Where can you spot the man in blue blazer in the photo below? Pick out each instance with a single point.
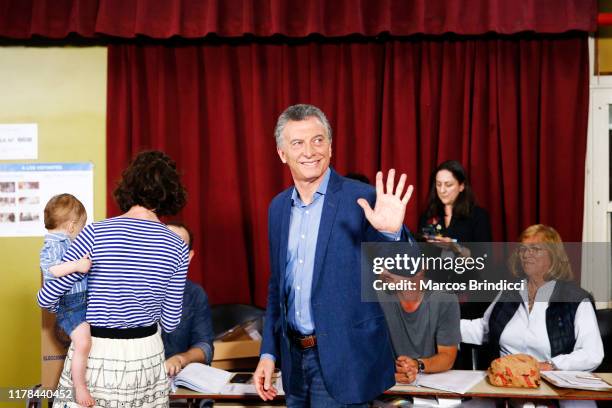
(334, 349)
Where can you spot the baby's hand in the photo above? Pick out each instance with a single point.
(83, 264)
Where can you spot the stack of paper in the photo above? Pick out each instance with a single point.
(576, 379)
(202, 378)
(457, 381)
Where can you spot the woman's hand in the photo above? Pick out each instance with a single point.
(450, 244)
(545, 366)
(439, 239)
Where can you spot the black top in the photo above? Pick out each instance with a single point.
(475, 228)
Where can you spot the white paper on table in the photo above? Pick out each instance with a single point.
(449, 402)
(279, 384)
(457, 381)
(436, 402)
(576, 379)
(202, 378)
(424, 402)
(249, 388)
(238, 389)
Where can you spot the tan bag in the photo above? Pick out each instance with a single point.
(515, 370)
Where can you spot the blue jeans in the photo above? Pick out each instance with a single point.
(307, 385)
(71, 311)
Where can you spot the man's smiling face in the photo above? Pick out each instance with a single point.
(306, 149)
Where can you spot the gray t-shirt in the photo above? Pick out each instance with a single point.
(417, 334)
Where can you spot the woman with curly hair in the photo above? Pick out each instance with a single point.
(135, 283)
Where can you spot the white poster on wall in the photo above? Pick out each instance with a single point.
(19, 141)
(26, 188)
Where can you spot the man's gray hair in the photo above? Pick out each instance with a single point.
(297, 113)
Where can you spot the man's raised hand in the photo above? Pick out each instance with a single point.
(390, 207)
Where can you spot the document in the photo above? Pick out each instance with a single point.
(202, 378)
(209, 380)
(581, 380)
(436, 402)
(457, 381)
(248, 388)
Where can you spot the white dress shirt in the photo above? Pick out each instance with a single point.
(526, 333)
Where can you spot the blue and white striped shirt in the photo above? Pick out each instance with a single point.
(137, 276)
(53, 250)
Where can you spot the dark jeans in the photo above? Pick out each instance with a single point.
(307, 386)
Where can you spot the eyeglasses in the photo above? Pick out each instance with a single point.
(532, 250)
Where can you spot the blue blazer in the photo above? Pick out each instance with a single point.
(353, 341)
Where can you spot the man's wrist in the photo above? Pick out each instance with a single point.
(392, 236)
(420, 365)
(206, 350)
(268, 357)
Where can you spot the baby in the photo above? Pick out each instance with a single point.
(65, 217)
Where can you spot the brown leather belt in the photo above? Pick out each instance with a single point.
(304, 342)
(307, 342)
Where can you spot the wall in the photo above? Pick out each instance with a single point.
(64, 91)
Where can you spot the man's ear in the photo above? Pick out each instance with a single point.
(191, 254)
(281, 154)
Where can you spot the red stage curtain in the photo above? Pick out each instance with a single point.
(235, 18)
(514, 111)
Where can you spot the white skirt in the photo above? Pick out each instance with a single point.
(121, 373)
